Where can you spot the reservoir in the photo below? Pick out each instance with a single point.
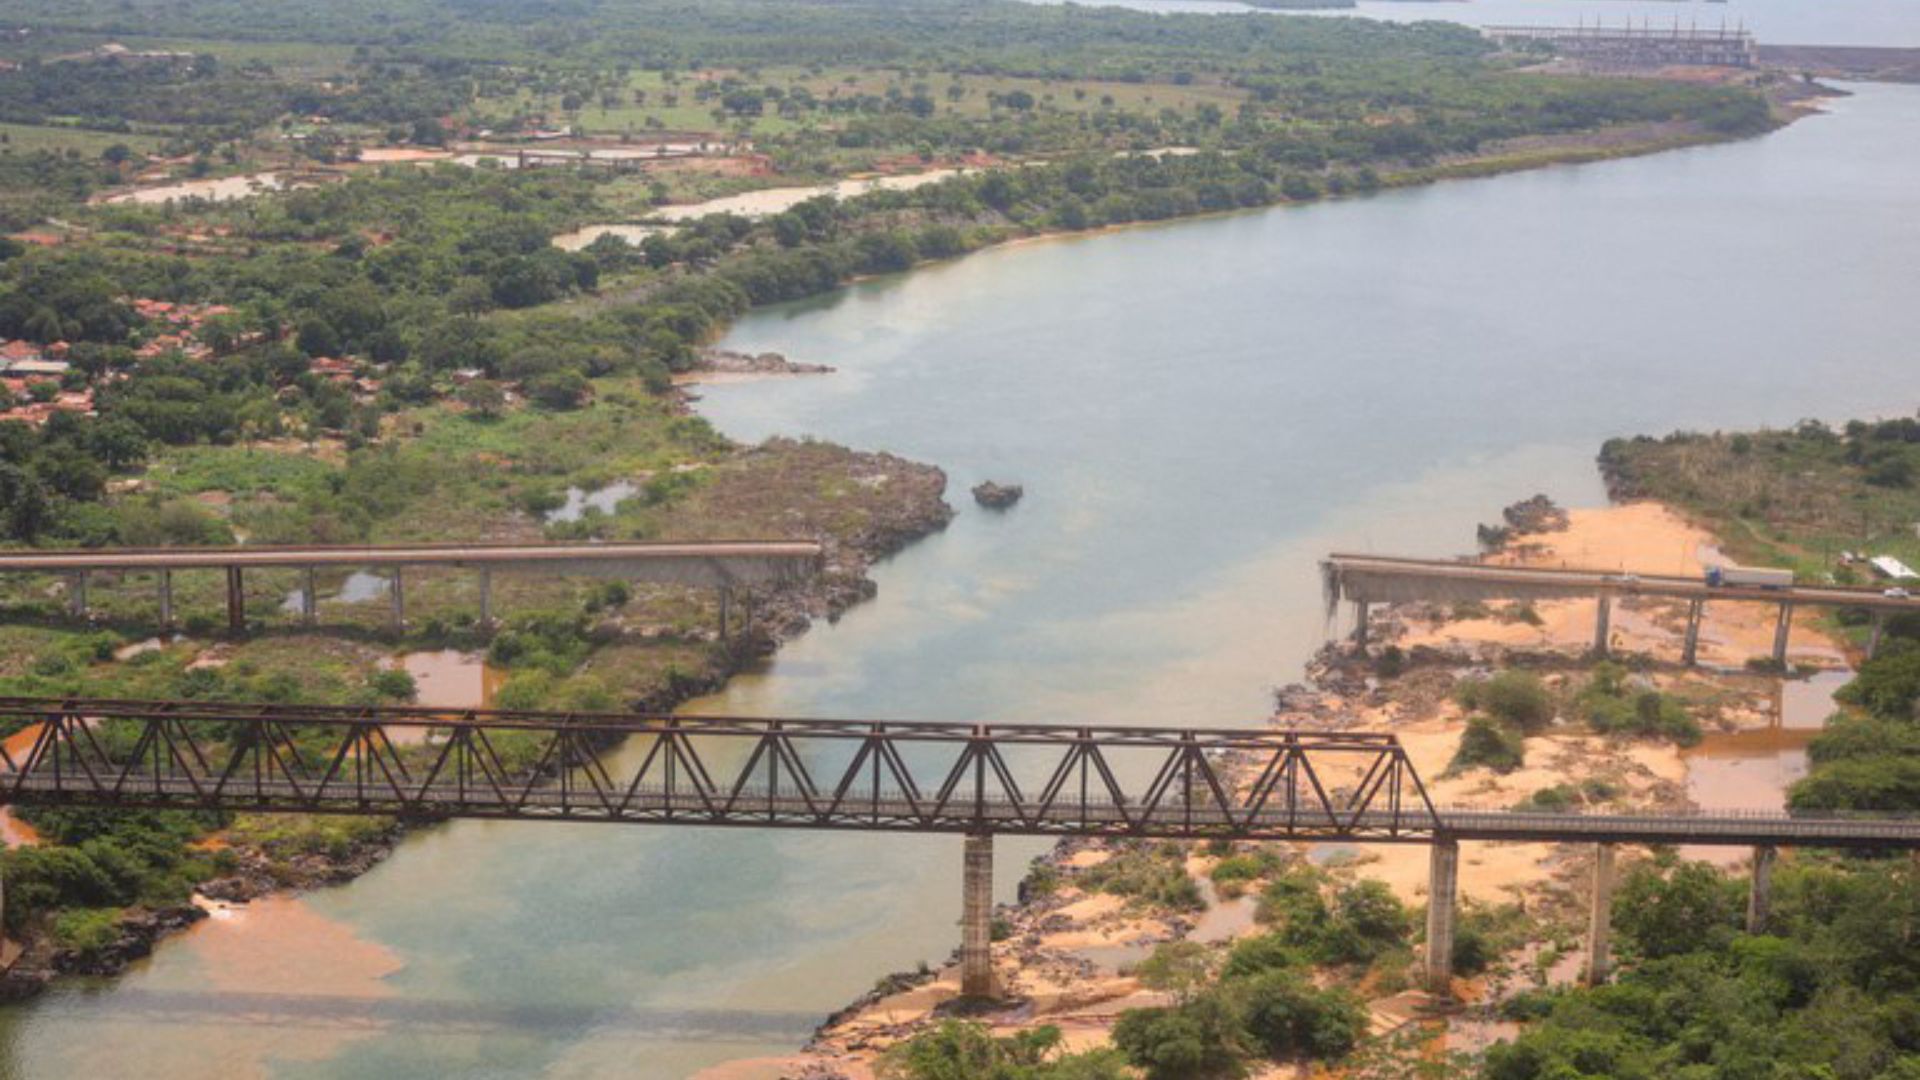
(1198, 411)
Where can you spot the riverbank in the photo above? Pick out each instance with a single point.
(1067, 953)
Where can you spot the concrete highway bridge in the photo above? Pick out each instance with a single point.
(725, 565)
(1365, 580)
(973, 780)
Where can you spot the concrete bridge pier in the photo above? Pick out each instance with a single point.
(166, 600)
(1361, 611)
(726, 603)
(1760, 890)
(1781, 629)
(1690, 648)
(976, 917)
(236, 601)
(398, 592)
(1443, 886)
(1600, 918)
(77, 595)
(310, 597)
(486, 598)
(1879, 630)
(1602, 624)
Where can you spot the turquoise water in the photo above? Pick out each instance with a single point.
(1198, 411)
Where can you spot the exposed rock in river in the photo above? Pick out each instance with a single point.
(728, 362)
(997, 496)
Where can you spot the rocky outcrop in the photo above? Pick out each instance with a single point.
(997, 496)
(137, 932)
(728, 362)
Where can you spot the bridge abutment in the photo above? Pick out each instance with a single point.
(976, 917)
(1760, 889)
(1443, 887)
(1600, 917)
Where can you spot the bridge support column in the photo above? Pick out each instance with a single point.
(1361, 610)
(746, 613)
(1602, 624)
(398, 591)
(77, 595)
(310, 597)
(166, 600)
(1690, 649)
(236, 600)
(1873, 637)
(1760, 890)
(976, 917)
(726, 602)
(1443, 882)
(486, 597)
(1781, 629)
(1600, 918)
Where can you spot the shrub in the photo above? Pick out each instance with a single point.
(396, 684)
(1368, 921)
(1486, 744)
(1610, 705)
(1557, 799)
(1193, 1042)
(1256, 955)
(1042, 880)
(87, 931)
(1690, 907)
(1231, 874)
(1150, 873)
(1514, 698)
(1290, 1017)
(961, 1050)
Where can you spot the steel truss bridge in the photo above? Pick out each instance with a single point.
(1015, 779)
(971, 779)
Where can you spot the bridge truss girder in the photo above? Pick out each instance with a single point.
(821, 774)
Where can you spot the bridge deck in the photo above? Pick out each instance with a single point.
(739, 560)
(1032, 779)
(1386, 579)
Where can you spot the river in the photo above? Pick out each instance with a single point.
(1197, 411)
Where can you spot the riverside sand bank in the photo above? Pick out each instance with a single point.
(1066, 952)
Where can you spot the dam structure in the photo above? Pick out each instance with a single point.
(1636, 47)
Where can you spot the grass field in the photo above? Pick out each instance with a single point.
(30, 138)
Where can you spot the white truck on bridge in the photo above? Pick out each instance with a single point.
(1761, 577)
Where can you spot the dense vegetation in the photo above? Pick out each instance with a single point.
(1831, 990)
(1800, 497)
